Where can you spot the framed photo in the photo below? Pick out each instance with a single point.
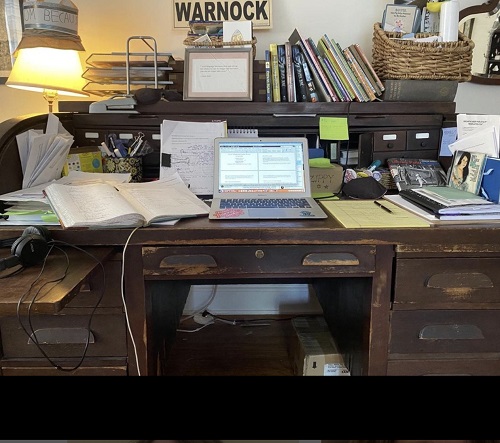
(218, 74)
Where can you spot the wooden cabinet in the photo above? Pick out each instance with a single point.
(92, 316)
(445, 315)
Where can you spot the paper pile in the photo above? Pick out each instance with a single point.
(43, 155)
(477, 133)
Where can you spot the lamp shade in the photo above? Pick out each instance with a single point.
(40, 69)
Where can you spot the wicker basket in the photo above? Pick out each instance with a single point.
(216, 42)
(403, 59)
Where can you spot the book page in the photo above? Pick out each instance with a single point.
(163, 199)
(91, 205)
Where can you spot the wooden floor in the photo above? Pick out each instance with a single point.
(222, 349)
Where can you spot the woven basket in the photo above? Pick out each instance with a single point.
(216, 42)
(403, 59)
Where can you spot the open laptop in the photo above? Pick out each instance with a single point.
(262, 178)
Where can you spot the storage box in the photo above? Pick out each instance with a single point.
(326, 181)
(313, 350)
(86, 159)
(396, 58)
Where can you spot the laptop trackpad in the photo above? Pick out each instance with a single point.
(267, 213)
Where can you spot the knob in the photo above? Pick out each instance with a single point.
(259, 253)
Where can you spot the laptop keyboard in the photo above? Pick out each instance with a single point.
(248, 203)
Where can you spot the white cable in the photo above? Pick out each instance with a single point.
(207, 304)
(122, 286)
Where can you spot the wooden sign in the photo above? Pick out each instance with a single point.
(258, 11)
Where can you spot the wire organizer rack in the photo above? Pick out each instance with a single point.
(118, 73)
(397, 58)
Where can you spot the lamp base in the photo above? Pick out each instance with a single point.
(51, 96)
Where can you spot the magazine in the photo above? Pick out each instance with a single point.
(409, 173)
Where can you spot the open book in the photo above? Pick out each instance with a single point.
(102, 205)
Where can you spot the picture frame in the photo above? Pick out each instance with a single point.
(218, 74)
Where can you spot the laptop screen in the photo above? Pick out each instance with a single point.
(261, 165)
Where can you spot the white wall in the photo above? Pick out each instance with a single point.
(104, 26)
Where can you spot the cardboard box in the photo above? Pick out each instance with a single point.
(86, 159)
(313, 350)
(326, 181)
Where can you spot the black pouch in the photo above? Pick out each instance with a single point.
(364, 188)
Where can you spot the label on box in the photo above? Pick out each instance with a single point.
(331, 369)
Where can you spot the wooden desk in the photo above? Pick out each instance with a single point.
(379, 289)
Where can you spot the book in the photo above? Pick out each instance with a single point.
(466, 171)
(374, 84)
(313, 64)
(301, 87)
(434, 219)
(103, 205)
(414, 172)
(282, 72)
(438, 198)
(267, 68)
(290, 73)
(335, 80)
(360, 75)
(317, 58)
(334, 53)
(400, 18)
(275, 72)
(406, 90)
(312, 95)
(369, 66)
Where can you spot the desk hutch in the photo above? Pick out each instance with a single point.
(398, 301)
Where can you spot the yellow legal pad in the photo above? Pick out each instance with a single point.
(367, 214)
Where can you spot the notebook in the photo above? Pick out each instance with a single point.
(262, 178)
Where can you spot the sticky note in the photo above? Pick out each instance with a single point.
(333, 128)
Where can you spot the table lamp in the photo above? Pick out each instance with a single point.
(50, 71)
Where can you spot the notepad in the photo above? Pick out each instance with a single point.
(366, 214)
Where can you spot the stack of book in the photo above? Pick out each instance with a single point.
(303, 70)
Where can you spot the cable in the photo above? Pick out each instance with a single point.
(122, 288)
(31, 333)
(204, 308)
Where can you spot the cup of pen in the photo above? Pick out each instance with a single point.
(133, 165)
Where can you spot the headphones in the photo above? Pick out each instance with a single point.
(29, 249)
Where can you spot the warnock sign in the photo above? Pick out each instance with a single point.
(258, 11)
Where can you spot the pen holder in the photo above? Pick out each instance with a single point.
(133, 165)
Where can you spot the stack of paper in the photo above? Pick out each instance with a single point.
(478, 133)
(43, 155)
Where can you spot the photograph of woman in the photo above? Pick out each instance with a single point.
(460, 171)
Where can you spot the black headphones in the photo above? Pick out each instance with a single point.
(29, 249)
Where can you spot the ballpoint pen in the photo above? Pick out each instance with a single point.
(385, 208)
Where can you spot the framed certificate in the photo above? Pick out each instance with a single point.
(218, 74)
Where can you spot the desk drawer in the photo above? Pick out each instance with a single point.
(66, 336)
(257, 260)
(445, 332)
(451, 366)
(447, 283)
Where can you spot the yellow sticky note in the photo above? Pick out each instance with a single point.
(333, 128)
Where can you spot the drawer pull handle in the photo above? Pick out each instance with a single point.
(450, 332)
(330, 259)
(178, 261)
(62, 336)
(471, 280)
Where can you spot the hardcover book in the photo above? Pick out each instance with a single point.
(466, 171)
(282, 72)
(100, 205)
(373, 82)
(369, 66)
(300, 81)
(314, 67)
(400, 18)
(312, 94)
(290, 73)
(275, 72)
(360, 75)
(269, 89)
(405, 90)
(409, 173)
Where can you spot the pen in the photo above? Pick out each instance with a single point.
(385, 208)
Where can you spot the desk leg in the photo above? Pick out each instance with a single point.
(167, 300)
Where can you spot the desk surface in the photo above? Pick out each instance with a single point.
(51, 295)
